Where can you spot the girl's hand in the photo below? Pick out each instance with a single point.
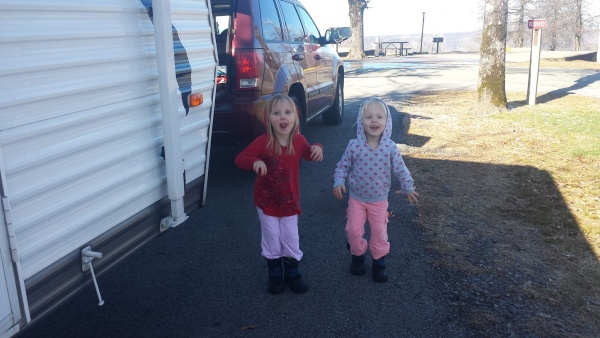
(412, 197)
(316, 153)
(260, 168)
(339, 191)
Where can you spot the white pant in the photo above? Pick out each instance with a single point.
(279, 236)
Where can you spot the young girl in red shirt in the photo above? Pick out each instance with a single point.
(275, 158)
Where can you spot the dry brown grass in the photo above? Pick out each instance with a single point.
(511, 202)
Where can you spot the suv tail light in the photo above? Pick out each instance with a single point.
(249, 68)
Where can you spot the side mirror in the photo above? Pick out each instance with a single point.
(336, 35)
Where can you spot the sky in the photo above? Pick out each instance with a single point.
(401, 17)
(405, 17)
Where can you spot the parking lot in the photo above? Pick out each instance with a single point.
(406, 76)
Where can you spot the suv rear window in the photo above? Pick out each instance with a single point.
(271, 25)
(294, 25)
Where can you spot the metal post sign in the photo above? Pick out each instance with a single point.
(536, 26)
(437, 41)
(536, 23)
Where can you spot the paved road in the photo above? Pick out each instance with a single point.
(395, 77)
(206, 278)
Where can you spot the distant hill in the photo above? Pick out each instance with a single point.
(456, 42)
(453, 42)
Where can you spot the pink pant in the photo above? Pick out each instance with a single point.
(279, 236)
(376, 213)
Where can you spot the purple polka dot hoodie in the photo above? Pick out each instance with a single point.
(369, 172)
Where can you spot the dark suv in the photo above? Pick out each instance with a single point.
(267, 47)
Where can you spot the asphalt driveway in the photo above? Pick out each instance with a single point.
(206, 278)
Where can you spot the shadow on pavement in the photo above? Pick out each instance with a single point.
(558, 93)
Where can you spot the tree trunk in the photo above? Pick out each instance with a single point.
(357, 41)
(521, 24)
(578, 24)
(598, 46)
(492, 63)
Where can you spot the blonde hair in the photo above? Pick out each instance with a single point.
(272, 144)
(368, 103)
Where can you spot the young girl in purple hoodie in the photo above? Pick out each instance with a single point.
(368, 164)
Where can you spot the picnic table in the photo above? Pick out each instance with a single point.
(396, 46)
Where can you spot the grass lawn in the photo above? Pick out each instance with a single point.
(510, 200)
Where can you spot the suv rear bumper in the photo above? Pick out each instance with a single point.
(238, 119)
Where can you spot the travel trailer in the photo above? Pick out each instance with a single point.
(105, 125)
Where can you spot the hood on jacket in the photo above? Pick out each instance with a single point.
(360, 131)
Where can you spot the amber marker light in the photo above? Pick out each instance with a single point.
(195, 99)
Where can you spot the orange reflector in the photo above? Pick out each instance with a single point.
(195, 99)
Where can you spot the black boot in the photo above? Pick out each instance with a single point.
(358, 265)
(276, 284)
(379, 274)
(293, 278)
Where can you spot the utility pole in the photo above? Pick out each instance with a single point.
(422, 28)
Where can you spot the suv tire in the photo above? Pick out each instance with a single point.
(335, 114)
(301, 114)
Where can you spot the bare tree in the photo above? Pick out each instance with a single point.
(569, 22)
(518, 14)
(357, 41)
(561, 27)
(587, 21)
(578, 24)
(492, 62)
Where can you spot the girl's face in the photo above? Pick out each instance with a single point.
(374, 118)
(282, 118)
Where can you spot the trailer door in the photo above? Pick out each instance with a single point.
(7, 319)
(9, 303)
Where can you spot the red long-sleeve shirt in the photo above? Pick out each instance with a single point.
(278, 192)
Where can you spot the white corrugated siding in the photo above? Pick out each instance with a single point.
(80, 122)
(199, 46)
